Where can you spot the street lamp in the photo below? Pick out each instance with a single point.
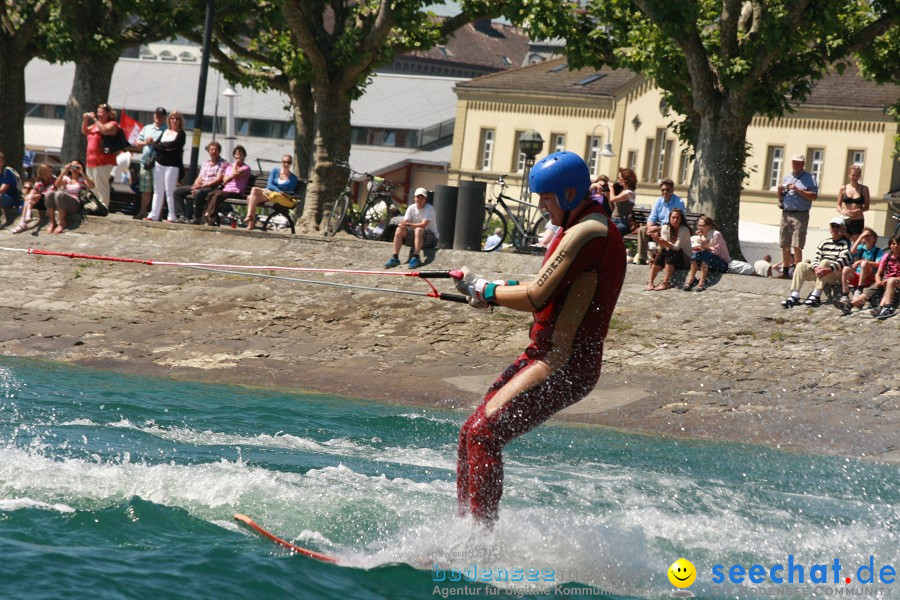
(607, 147)
(530, 144)
(230, 134)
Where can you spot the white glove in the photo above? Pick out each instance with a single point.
(475, 287)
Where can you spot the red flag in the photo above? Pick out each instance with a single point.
(131, 127)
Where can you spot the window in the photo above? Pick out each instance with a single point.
(658, 157)
(774, 167)
(559, 141)
(815, 157)
(632, 160)
(486, 151)
(856, 157)
(648, 158)
(684, 168)
(593, 153)
(591, 79)
(518, 165)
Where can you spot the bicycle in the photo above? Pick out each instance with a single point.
(526, 233)
(371, 221)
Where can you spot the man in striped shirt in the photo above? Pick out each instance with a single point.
(832, 256)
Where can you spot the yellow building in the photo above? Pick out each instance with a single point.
(842, 123)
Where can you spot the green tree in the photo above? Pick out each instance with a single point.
(94, 33)
(257, 51)
(21, 24)
(344, 42)
(719, 63)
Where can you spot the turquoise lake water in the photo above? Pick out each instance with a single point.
(115, 486)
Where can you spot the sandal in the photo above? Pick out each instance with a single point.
(650, 287)
(690, 285)
(19, 229)
(701, 288)
(662, 286)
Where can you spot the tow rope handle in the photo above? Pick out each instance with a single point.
(454, 274)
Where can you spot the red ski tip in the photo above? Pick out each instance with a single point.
(456, 274)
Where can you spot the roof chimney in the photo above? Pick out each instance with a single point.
(483, 25)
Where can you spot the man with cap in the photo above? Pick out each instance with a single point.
(832, 256)
(571, 298)
(149, 134)
(796, 193)
(417, 229)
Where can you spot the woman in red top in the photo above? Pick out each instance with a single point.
(99, 164)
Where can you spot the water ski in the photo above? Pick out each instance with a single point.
(297, 549)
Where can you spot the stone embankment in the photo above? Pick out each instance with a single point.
(728, 363)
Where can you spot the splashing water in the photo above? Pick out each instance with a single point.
(126, 486)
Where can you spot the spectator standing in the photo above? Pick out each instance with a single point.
(865, 256)
(659, 216)
(234, 186)
(623, 201)
(99, 164)
(210, 177)
(281, 183)
(832, 256)
(169, 151)
(710, 255)
(796, 194)
(65, 200)
(417, 229)
(674, 242)
(9, 191)
(148, 135)
(853, 202)
(34, 193)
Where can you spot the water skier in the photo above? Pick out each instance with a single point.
(572, 299)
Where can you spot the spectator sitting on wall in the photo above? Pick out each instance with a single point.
(417, 229)
(832, 255)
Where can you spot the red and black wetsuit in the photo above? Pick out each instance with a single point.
(572, 298)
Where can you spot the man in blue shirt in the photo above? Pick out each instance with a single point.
(658, 217)
(795, 197)
(149, 134)
(9, 191)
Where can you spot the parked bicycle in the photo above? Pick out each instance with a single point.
(528, 221)
(370, 221)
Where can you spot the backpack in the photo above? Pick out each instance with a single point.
(18, 180)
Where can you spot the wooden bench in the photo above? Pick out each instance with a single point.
(639, 215)
(275, 209)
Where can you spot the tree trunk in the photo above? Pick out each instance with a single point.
(90, 88)
(304, 109)
(332, 143)
(12, 89)
(718, 175)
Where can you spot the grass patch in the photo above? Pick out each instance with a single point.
(619, 325)
(777, 336)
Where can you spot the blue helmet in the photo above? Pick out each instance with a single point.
(558, 172)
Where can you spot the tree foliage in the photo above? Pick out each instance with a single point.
(21, 24)
(344, 42)
(719, 63)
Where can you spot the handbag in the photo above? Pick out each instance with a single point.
(150, 163)
(112, 144)
(90, 203)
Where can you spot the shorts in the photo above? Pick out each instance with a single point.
(672, 257)
(63, 201)
(279, 198)
(715, 262)
(430, 238)
(8, 201)
(855, 227)
(145, 181)
(793, 229)
(854, 279)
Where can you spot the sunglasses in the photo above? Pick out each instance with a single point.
(287, 161)
(670, 190)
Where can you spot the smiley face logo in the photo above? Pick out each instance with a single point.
(682, 573)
